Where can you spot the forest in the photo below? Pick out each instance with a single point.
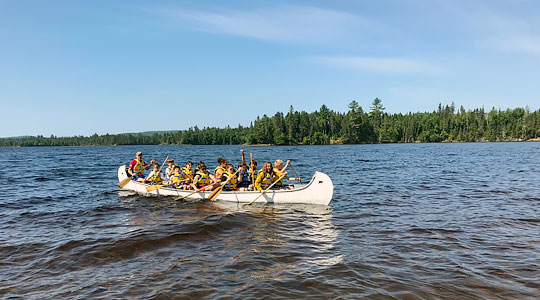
(325, 126)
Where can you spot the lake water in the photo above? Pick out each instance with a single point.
(407, 221)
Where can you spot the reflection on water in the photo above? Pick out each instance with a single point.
(423, 221)
(281, 228)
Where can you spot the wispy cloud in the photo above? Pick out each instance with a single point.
(507, 27)
(509, 34)
(517, 43)
(376, 64)
(282, 23)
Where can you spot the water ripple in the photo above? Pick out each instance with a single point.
(415, 221)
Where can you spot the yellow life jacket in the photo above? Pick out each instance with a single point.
(266, 181)
(231, 185)
(139, 167)
(253, 172)
(176, 178)
(205, 178)
(278, 174)
(188, 173)
(219, 171)
(156, 178)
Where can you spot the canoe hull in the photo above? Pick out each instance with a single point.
(318, 191)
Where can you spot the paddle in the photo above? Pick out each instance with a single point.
(151, 187)
(183, 197)
(154, 187)
(281, 177)
(252, 171)
(125, 181)
(158, 186)
(243, 157)
(213, 196)
(296, 174)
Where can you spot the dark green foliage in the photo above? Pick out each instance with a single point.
(326, 126)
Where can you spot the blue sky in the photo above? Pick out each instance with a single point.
(83, 67)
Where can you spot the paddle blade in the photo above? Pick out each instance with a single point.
(215, 193)
(154, 187)
(124, 182)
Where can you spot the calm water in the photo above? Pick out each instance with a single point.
(417, 221)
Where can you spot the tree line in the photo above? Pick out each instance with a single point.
(325, 126)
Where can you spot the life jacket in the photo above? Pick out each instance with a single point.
(167, 172)
(231, 185)
(176, 177)
(279, 173)
(246, 177)
(266, 180)
(156, 178)
(219, 171)
(254, 173)
(138, 169)
(188, 173)
(205, 178)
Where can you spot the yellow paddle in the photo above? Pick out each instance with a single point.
(213, 196)
(154, 187)
(273, 183)
(124, 182)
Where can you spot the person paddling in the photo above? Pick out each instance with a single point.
(155, 176)
(203, 178)
(221, 168)
(278, 166)
(188, 171)
(137, 167)
(169, 171)
(252, 171)
(187, 176)
(266, 177)
(177, 178)
(231, 184)
(244, 178)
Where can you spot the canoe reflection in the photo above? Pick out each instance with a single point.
(292, 239)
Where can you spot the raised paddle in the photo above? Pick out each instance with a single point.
(252, 171)
(296, 174)
(213, 196)
(273, 183)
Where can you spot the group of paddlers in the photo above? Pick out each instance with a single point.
(246, 178)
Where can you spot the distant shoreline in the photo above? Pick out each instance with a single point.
(327, 127)
(274, 145)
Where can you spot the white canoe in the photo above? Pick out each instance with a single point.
(318, 191)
